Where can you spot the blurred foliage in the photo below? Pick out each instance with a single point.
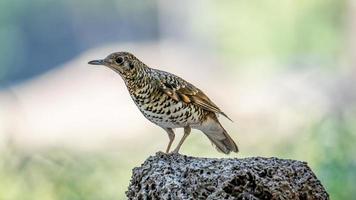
(63, 174)
(334, 154)
(287, 30)
(328, 146)
(37, 35)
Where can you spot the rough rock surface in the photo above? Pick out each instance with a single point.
(181, 177)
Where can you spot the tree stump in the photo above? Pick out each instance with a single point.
(174, 176)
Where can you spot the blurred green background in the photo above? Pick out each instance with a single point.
(284, 70)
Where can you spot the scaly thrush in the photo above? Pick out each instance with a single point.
(169, 101)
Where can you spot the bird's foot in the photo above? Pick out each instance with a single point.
(168, 153)
(175, 151)
(165, 152)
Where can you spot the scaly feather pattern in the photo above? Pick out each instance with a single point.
(169, 101)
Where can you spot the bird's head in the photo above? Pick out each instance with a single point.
(124, 63)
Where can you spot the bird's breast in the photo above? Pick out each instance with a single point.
(164, 111)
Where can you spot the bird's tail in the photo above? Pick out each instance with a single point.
(218, 136)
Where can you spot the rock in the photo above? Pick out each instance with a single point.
(181, 177)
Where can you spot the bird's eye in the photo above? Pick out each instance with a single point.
(119, 60)
(131, 66)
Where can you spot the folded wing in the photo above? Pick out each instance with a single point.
(181, 90)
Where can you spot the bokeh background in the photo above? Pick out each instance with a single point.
(284, 71)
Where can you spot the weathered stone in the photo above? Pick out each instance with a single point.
(181, 177)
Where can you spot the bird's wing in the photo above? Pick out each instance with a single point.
(181, 90)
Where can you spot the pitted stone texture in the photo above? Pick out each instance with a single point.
(181, 177)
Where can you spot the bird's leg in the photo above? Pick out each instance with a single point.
(187, 130)
(171, 135)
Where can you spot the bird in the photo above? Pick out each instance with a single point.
(169, 101)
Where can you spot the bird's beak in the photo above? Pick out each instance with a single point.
(96, 62)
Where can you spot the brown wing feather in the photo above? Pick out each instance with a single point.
(202, 100)
(180, 90)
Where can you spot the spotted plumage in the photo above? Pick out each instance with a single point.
(169, 101)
